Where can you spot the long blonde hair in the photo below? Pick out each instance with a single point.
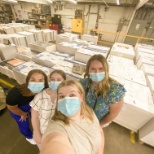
(86, 111)
(104, 86)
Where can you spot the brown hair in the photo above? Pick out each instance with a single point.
(86, 111)
(24, 87)
(62, 73)
(104, 86)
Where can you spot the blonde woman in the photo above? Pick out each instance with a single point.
(75, 128)
(103, 94)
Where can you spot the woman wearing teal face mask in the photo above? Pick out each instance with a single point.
(43, 105)
(75, 129)
(103, 94)
(20, 96)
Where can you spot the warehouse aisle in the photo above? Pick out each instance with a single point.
(117, 140)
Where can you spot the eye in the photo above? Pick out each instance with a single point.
(61, 97)
(72, 95)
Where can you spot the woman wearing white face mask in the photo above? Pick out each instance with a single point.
(19, 97)
(103, 94)
(43, 105)
(75, 128)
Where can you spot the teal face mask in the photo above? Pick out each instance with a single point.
(36, 87)
(97, 77)
(54, 85)
(69, 106)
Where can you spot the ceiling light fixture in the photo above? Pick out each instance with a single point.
(118, 3)
(74, 1)
(15, 1)
(49, 1)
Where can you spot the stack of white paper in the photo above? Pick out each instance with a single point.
(49, 35)
(67, 68)
(68, 47)
(38, 34)
(150, 82)
(4, 38)
(48, 59)
(143, 51)
(123, 50)
(146, 133)
(145, 59)
(128, 72)
(17, 28)
(97, 48)
(24, 53)
(122, 61)
(29, 36)
(90, 38)
(83, 54)
(7, 30)
(84, 42)
(66, 37)
(25, 27)
(22, 70)
(7, 51)
(42, 46)
(137, 109)
(146, 46)
(148, 69)
(19, 40)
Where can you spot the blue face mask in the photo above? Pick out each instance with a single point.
(97, 77)
(36, 87)
(54, 85)
(69, 106)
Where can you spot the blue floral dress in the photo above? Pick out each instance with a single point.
(100, 105)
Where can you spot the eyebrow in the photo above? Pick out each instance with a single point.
(70, 91)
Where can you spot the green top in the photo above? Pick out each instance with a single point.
(100, 105)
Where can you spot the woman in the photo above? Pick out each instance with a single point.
(75, 128)
(103, 94)
(19, 97)
(43, 105)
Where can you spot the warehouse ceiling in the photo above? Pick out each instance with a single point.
(132, 3)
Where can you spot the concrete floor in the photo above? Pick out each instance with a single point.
(117, 140)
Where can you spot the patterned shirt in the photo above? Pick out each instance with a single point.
(100, 105)
(42, 103)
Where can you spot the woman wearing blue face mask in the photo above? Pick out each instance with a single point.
(19, 97)
(75, 129)
(103, 94)
(43, 105)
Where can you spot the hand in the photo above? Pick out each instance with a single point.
(23, 116)
(37, 137)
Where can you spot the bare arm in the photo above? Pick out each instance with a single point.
(56, 143)
(16, 110)
(101, 149)
(114, 111)
(36, 126)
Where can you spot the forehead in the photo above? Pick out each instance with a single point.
(37, 75)
(57, 75)
(96, 63)
(67, 89)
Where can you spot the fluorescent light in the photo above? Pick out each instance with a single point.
(12, 0)
(73, 1)
(118, 3)
(50, 1)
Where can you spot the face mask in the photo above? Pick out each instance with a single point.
(97, 77)
(69, 106)
(35, 87)
(54, 85)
